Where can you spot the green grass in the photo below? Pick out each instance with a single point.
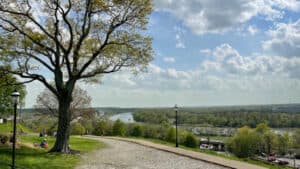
(37, 158)
(232, 157)
(8, 127)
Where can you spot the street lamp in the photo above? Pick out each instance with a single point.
(15, 99)
(176, 123)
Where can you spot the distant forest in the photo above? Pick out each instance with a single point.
(220, 118)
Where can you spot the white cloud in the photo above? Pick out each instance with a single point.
(215, 16)
(179, 32)
(205, 51)
(223, 78)
(285, 39)
(224, 69)
(169, 59)
(252, 30)
(179, 42)
(227, 61)
(289, 4)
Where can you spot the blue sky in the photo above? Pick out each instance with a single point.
(211, 52)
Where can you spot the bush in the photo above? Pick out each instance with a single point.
(244, 143)
(77, 129)
(150, 131)
(101, 128)
(137, 131)
(171, 135)
(50, 131)
(182, 134)
(87, 124)
(119, 128)
(3, 138)
(191, 141)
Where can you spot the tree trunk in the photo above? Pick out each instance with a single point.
(63, 131)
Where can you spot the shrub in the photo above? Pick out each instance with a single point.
(244, 143)
(77, 129)
(50, 131)
(3, 138)
(101, 128)
(171, 135)
(87, 124)
(150, 131)
(191, 141)
(182, 134)
(119, 128)
(137, 131)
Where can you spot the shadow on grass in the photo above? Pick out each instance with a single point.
(27, 158)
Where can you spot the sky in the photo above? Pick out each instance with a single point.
(210, 52)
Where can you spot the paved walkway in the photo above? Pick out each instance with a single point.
(126, 155)
(204, 159)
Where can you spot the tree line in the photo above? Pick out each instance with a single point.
(248, 142)
(220, 119)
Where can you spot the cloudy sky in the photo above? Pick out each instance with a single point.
(211, 52)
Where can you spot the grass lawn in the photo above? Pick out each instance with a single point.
(7, 128)
(232, 157)
(37, 158)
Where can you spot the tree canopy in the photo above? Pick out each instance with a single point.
(6, 90)
(72, 40)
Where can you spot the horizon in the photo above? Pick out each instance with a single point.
(182, 106)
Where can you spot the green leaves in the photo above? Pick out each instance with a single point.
(6, 88)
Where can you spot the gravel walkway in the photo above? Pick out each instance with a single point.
(125, 155)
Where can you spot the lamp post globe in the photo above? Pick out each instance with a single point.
(15, 99)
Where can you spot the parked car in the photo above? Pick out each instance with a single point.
(282, 162)
(271, 157)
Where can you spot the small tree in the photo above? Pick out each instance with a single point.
(266, 139)
(244, 143)
(119, 128)
(150, 131)
(191, 141)
(283, 142)
(296, 139)
(101, 128)
(171, 134)
(77, 129)
(137, 130)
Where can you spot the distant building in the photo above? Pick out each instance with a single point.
(212, 144)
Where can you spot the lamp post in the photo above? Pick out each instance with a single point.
(176, 122)
(15, 99)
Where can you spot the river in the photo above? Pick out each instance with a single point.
(124, 117)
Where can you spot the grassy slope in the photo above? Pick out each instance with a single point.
(37, 158)
(7, 128)
(216, 154)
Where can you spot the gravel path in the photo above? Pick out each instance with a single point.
(125, 155)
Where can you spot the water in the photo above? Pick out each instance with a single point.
(124, 117)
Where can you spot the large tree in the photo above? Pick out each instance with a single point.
(72, 40)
